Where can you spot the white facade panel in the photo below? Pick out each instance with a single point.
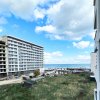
(93, 62)
(97, 46)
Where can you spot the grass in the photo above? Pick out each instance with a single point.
(68, 87)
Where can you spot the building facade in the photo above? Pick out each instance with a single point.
(19, 57)
(93, 62)
(97, 47)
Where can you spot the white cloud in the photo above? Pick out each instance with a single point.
(53, 54)
(52, 57)
(81, 44)
(86, 52)
(83, 58)
(92, 34)
(92, 45)
(66, 19)
(39, 13)
(1, 30)
(24, 9)
(72, 19)
(48, 28)
(58, 57)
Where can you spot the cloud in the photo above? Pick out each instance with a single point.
(1, 30)
(52, 57)
(66, 19)
(2, 21)
(83, 58)
(53, 54)
(48, 28)
(92, 45)
(71, 18)
(58, 57)
(24, 9)
(38, 13)
(92, 35)
(81, 44)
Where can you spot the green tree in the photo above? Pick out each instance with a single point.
(36, 73)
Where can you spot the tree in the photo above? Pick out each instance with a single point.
(36, 72)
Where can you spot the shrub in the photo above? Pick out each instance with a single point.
(36, 73)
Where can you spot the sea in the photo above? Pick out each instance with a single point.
(67, 66)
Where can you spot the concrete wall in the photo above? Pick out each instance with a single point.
(93, 62)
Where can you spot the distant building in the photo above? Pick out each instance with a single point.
(19, 57)
(97, 47)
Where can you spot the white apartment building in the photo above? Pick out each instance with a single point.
(97, 47)
(19, 57)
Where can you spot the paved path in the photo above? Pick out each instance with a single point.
(11, 81)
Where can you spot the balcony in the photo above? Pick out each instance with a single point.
(94, 2)
(95, 94)
(2, 70)
(1, 64)
(2, 52)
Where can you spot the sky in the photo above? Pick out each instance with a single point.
(63, 27)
